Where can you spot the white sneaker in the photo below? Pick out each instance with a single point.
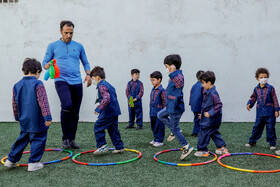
(272, 148)
(10, 164)
(158, 144)
(187, 149)
(277, 152)
(172, 136)
(118, 151)
(102, 149)
(35, 166)
(152, 142)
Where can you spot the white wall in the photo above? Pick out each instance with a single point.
(230, 37)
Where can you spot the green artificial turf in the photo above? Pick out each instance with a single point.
(145, 171)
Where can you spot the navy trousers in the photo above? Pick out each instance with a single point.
(111, 124)
(70, 98)
(137, 112)
(196, 120)
(37, 141)
(269, 122)
(158, 129)
(205, 134)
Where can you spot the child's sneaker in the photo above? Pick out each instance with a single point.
(10, 164)
(158, 144)
(172, 136)
(201, 154)
(35, 166)
(250, 144)
(102, 149)
(116, 151)
(187, 149)
(152, 142)
(272, 147)
(222, 151)
(277, 152)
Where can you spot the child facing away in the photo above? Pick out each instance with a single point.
(32, 112)
(135, 89)
(267, 109)
(157, 103)
(196, 95)
(210, 118)
(171, 114)
(108, 111)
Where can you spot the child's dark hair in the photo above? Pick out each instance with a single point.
(97, 71)
(31, 65)
(156, 75)
(208, 76)
(173, 59)
(66, 22)
(262, 70)
(134, 71)
(200, 72)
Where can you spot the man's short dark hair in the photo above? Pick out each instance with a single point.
(31, 65)
(156, 75)
(200, 72)
(97, 71)
(134, 71)
(208, 76)
(262, 70)
(65, 22)
(173, 59)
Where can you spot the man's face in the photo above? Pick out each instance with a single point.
(67, 33)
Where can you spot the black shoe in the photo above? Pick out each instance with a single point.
(74, 145)
(129, 127)
(194, 135)
(139, 127)
(66, 144)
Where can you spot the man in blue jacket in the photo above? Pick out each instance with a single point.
(68, 54)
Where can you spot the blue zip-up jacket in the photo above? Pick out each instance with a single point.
(134, 93)
(67, 55)
(213, 105)
(157, 104)
(196, 95)
(175, 101)
(113, 108)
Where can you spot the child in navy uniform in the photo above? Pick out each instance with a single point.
(175, 103)
(211, 117)
(135, 89)
(157, 103)
(108, 111)
(31, 110)
(267, 109)
(196, 95)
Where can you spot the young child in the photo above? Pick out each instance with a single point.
(267, 109)
(210, 118)
(195, 102)
(175, 104)
(32, 112)
(135, 89)
(157, 103)
(108, 111)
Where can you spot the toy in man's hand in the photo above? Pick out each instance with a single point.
(53, 72)
(130, 102)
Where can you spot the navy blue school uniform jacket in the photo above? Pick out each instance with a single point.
(196, 95)
(157, 100)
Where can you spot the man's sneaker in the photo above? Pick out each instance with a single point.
(250, 144)
(194, 135)
(158, 144)
(152, 142)
(74, 145)
(139, 127)
(222, 151)
(116, 151)
(129, 127)
(102, 149)
(35, 166)
(201, 154)
(187, 149)
(277, 152)
(66, 144)
(172, 136)
(272, 147)
(10, 164)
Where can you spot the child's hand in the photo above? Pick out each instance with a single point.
(199, 116)
(248, 107)
(48, 123)
(96, 113)
(277, 114)
(206, 114)
(134, 100)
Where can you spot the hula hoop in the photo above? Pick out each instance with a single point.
(248, 170)
(44, 163)
(179, 164)
(106, 164)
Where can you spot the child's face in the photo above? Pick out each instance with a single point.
(206, 85)
(171, 68)
(262, 76)
(135, 76)
(96, 80)
(155, 82)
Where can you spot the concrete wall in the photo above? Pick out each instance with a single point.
(230, 37)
